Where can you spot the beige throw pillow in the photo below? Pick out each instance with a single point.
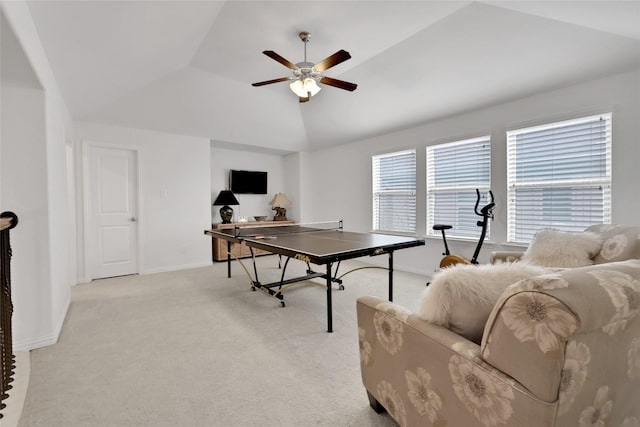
(619, 242)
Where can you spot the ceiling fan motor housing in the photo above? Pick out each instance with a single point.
(304, 36)
(305, 69)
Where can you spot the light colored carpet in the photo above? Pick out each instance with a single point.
(193, 348)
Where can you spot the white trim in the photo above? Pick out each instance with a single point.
(432, 190)
(86, 147)
(139, 165)
(35, 343)
(379, 262)
(46, 340)
(394, 153)
(551, 181)
(560, 123)
(391, 150)
(176, 268)
(379, 195)
(490, 131)
(557, 118)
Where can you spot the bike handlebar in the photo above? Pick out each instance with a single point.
(486, 210)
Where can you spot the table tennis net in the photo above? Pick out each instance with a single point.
(285, 229)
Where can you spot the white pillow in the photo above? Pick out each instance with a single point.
(561, 249)
(461, 297)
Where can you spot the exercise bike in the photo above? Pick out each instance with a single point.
(485, 212)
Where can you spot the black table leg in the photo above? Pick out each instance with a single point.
(228, 258)
(255, 267)
(329, 310)
(391, 276)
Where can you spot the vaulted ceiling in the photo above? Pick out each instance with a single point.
(186, 67)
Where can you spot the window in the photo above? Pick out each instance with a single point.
(454, 171)
(394, 192)
(559, 176)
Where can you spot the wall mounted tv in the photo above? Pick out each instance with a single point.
(248, 182)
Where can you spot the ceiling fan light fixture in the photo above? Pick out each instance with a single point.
(306, 75)
(298, 88)
(303, 88)
(311, 86)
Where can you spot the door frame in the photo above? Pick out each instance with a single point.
(87, 146)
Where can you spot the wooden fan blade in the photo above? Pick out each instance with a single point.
(304, 99)
(271, 54)
(335, 59)
(268, 82)
(341, 84)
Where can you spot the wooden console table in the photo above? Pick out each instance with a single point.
(219, 246)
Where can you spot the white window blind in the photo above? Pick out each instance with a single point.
(454, 171)
(394, 192)
(559, 176)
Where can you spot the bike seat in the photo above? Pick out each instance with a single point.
(439, 227)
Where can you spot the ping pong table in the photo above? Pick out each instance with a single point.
(320, 244)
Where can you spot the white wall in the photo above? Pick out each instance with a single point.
(35, 124)
(175, 196)
(346, 190)
(61, 220)
(293, 185)
(223, 160)
(24, 175)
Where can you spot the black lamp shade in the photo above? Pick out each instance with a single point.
(226, 197)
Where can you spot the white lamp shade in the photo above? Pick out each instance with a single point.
(298, 88)
(302, 88)
(310, 86)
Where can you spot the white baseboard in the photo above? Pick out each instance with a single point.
(161, 269)
(34, 343)
(396, 266)
(175, 267)
(45, 340)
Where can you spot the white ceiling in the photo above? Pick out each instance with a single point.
(15, 69)
(186, 66)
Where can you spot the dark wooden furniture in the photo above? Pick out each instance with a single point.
(219, 247)
(8, 220)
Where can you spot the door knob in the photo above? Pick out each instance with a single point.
(133, 219)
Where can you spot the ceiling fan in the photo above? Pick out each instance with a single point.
(306, 75)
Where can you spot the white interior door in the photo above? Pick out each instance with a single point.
(113, 210)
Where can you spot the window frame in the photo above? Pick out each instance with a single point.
(378, 193)
(604, 182)
(432, 189)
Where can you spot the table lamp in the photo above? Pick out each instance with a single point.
(278, 201)
(224, 199)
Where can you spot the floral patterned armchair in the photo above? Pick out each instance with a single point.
(560, 349)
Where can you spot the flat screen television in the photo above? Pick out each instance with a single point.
(248, 182)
